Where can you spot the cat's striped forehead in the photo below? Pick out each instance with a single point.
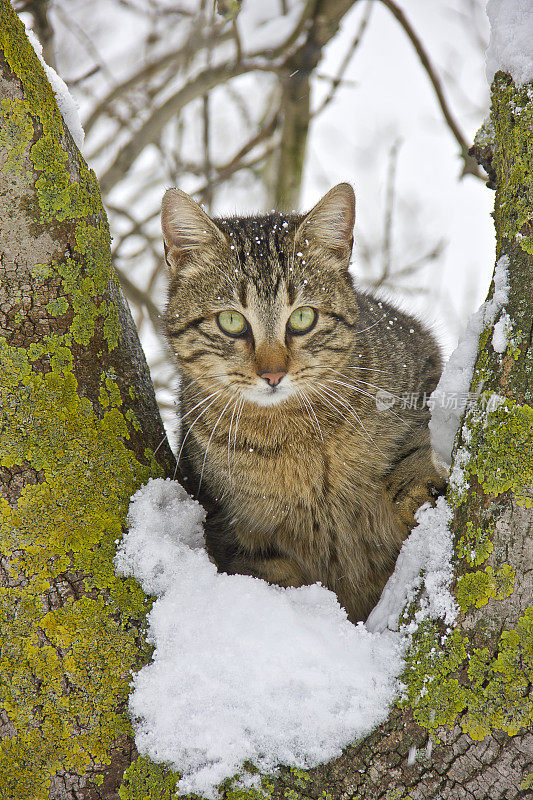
(263, 248)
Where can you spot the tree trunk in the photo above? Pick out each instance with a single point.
(295, 76)
(79, 432)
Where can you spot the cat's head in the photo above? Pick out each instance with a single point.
(262, 305)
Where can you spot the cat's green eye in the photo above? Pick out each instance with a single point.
(302, 319)
(231, 322)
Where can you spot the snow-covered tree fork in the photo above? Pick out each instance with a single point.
(80, 431)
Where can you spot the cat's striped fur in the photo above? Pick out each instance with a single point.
(305, 480)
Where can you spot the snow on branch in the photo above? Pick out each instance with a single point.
(451, 395)
(511, 39)
(67, 105)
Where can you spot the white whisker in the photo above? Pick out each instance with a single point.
(237, 399)
(237, 425)
(202, 412)
(365, 393)
(309, 405)
(205, 399)
(349, 407)
(209, 442)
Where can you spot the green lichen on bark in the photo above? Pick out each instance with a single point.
(475, 544)
(71, 630)
(449, 680)
(512, 161)
(477, 588)
(503, 451)
(478, 676)
(512, 116)
(85, 269)
(144, 780)
(68, 521)
(16, 132)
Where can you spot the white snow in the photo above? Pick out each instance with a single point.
(458, 481)
(511, 39)
(452, 392)
(424, 562)
(246, 671)
(67, 105)
(500, 334)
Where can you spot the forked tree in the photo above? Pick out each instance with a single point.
(80, 432)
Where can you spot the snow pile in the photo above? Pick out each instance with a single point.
(425, 561)
(511, 39)
(243, 670)
(451, 394)
(65, 102)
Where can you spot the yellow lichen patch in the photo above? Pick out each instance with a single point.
(512, 116)
(69, 668)
(86, 272)
(144, 780)
(475, 545)
(504, 458)
(501, 443)
(16, 132)
(452, 681)
(476, 588)
(71, 631)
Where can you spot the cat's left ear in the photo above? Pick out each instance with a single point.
(330, 223)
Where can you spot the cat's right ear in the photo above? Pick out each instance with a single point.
(186, 229)
(330, 223)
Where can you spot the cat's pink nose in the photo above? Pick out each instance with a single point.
(273, 378)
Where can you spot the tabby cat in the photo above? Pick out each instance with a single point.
(292, 435)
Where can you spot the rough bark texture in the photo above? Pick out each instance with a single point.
(79, 429)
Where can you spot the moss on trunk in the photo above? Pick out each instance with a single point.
(79, 429)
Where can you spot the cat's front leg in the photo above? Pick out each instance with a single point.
(277, 569)
(240, 551)
(415, 481)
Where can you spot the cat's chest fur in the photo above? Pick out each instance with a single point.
(297, 493)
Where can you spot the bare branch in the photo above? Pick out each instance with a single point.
(151, 130)
(386, 260)
(470, 166)
(338, 79)
(194, 42)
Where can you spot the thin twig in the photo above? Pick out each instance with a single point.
(386, 261)
(194, 42)
(470, 166)
(140, 298)
(338, 79)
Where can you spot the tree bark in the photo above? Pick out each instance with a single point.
(79, 432)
